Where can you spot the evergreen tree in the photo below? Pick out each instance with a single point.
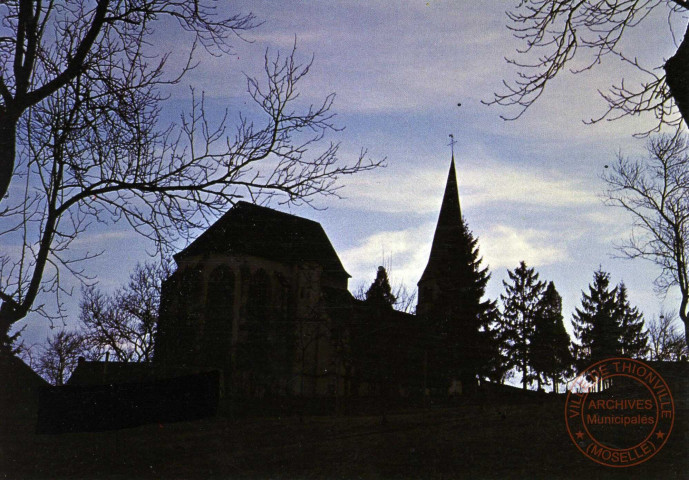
(551, 356)
(380, 346)
(372, 335)
(497, 369)
(520, 306)
(379, 294)
(466, 347)
(634, 338)
(596, 323)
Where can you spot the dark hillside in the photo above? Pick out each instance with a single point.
(489, 440)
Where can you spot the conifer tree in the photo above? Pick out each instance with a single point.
(634, 338)
(371, 337)
(596, 324)
(379, 346)
(465, 344)
(379, 294)
(520, 306)
(551, 356)
(497, 369)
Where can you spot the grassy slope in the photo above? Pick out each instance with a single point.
(469, 441)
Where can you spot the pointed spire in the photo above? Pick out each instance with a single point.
(448, 229)
(450, 210)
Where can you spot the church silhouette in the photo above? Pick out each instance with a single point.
(263, 297)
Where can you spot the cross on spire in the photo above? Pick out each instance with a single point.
(452, 144)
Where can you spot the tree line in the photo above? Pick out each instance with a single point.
(387, 349)
(526, 331)
(553, 36)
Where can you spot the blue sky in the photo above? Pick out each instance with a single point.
(529, 188)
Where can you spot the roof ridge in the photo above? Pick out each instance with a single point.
(267, 233)
(271, 210)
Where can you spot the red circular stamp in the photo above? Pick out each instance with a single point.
(619, 412)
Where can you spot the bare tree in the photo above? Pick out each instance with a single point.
(405, 301)
(94, 155)
(46, 47)
(656, 193)
(60, 356)
(30, 353)
(556, 33)
(666, 342)
(126, 322)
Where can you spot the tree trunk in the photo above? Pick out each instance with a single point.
(8, 317)
(683, 315)
(524, 371)
(8, 130)
(676, 76)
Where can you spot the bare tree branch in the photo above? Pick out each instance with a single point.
(656, 193)
(555, 33)
(126, 322)
(96, 154)
(46, 46)
(666, 343)
(60, 356)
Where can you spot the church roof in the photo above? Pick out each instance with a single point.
(262, 232)
(448, 229)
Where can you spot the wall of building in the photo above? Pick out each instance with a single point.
(262, 322)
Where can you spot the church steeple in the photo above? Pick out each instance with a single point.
(450, 298)
(447, 230)
(450, 211)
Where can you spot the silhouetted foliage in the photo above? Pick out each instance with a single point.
(655, 192)
(379, 294)
(377, 343)
(558, 34)
(634, 338)
(551, 356)
(520, 308)
(387, 348)
(404, 301)
(464, 345)
(498, 369)
(596, 324)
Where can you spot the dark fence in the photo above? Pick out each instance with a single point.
(111, 407)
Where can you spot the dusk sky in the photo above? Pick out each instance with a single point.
(529, 189)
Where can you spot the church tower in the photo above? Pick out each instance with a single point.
(448, 235)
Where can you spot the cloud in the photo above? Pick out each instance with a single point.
(378, 57)
(505, 246)
(405, 252)
(103, 238)
(486, 182)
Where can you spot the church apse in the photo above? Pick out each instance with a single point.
(247, 298)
